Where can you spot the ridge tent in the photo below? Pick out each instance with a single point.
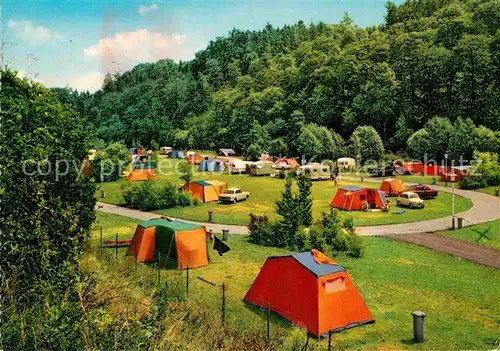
(179, 244)
(392, 186)
(203, 191)
(176, 154)
(195, 159)
(211, 165)
(220, 187)
(311, 290)
(142, 173)
(352, 197)
(287, 163)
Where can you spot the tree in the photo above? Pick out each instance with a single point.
(419, 144)
(287, 207)
(304, 200)
(186, 172)
(485, 140)
(107, 165)
(366, 144)
(47, 205)
(439, 131)
(462, 139)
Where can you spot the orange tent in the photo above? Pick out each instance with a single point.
(392, 186)
(201, 190)
(175, 244)
(195, 159)
(351, 198)
(311, 290)
(142, 174)
(287, 163)
(220, 187)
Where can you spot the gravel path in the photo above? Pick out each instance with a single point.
(460, 248)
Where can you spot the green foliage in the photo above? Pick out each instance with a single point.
(317, 239)
(263, 232)
(186, 172)
(289, 209)
(419, 144)
(366, 144)
(47, 206)
(462, 139)
(304, 200)
(149, 195)
(487, 168)
(107, 165)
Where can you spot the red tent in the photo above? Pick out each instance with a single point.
(310, 290)
(287, 163)
(352, 197)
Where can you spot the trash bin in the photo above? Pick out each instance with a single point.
(225, 234)
(210, 216)
(103, 194)
(497, 192)
(418, 326)
(460, 222)
(433, 180)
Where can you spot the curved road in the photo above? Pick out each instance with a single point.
(485, 208)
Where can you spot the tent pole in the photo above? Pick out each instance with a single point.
(223, 303)
(116, 245)
(187, 280)
(329, 340)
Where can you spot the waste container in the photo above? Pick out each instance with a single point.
(497, 192)
(225, 234)
(210, 216)
(433, 180)
(460, 222)
(418, 326)
(103, 194)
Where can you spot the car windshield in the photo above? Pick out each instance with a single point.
(230, 192)
(413, 196)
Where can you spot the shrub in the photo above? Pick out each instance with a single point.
(149, 196)
(263, 232)
(473, 182)
(107, 164)
(317, 239)
(355, 247)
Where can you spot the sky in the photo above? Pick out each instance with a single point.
(75, 42)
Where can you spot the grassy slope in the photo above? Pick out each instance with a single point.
(394, 279)
(469, 234)
(264, 191)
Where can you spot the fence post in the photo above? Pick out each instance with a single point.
(101, 239)
(223, 303)
(329, 340)
(268, 321)
(187, 281)
(136, 258)
(158, 265)
(116, 245)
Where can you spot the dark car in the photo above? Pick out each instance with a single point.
(424, 191)
(382, 171)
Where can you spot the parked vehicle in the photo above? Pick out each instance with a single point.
(424, 191)
(233, 195)
(315, 171)
(261, 168)
(346, 164)
(165, 150)
(410, 199)
(237, 166)
(382, 171)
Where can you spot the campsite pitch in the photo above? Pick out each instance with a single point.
(264, 191)
(393, 278)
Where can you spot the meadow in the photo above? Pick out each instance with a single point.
(393, 278)
(264, 191)
(490, 229)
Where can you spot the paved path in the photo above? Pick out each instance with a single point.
(485, 208)
(466, 250)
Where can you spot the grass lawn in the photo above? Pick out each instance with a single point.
(264, 191)
(459, 298)
(469, 234)
(489, 190)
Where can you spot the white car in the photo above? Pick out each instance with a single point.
(410, 199)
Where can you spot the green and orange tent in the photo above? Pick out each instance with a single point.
(177, 244)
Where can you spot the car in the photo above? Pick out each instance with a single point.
(410, 199)
(233, 195)
(382, 171)
(423, 191)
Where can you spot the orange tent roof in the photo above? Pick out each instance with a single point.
(202, 190)
(287, 162)
(142, 174)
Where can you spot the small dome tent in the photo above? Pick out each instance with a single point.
(392, 186)
(352, 197)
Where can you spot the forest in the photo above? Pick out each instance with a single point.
(427, 80)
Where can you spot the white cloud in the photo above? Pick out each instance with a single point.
(28, 31)
(144, 10)
(129, 48)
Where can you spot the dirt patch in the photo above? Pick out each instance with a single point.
(456, 247)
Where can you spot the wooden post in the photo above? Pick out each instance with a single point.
(116, 245)
(329, 340)
(158, 265)
(223, 303)
(136, 258)
(187, 281)
(307, 341)
(268, 323)
(101, 239)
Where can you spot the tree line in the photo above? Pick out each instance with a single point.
(287, 90)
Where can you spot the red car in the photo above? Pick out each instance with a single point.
(424, 191)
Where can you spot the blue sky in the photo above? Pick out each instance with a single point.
(74, 43)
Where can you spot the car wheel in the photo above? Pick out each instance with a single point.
(246, 198)
(410, 205)
(235, 201)
(398, 203)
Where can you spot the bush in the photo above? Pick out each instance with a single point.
(108, 163)
(317, 239)
(149, 196)
(473, 182)
(263, 232)
(355, 247)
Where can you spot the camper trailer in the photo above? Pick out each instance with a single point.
(315, 171)
(165, 150)
(346, 164)
(237, 166)
(261, 168)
